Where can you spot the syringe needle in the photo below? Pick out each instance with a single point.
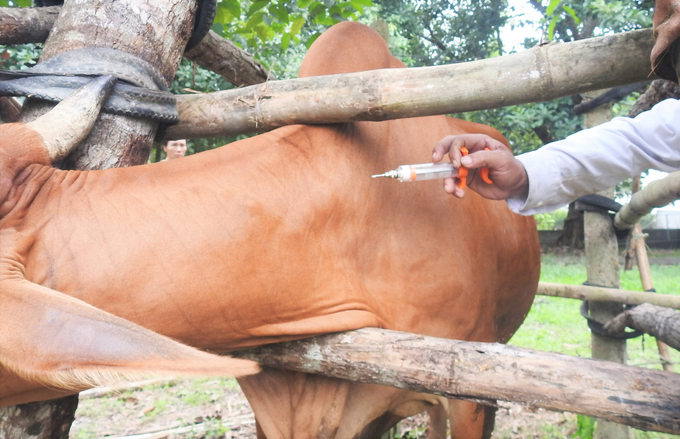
(388, 174)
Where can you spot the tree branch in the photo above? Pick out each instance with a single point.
(228, 60)
(662, 323)
(538, 6)
(26, 25)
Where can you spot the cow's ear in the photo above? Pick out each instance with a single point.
(56, 340)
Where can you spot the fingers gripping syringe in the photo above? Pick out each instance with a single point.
(423, 171)
(430, 171)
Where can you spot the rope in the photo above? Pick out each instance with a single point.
(140, 93)
(144, 96)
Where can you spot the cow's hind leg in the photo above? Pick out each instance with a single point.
(470, 420)
(436, 429)
(51, 339)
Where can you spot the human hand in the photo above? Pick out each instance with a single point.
(507, 173)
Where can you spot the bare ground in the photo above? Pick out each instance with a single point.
(215, 409)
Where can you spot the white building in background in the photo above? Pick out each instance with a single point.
(666, 219)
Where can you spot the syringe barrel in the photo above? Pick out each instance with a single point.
(426, 171)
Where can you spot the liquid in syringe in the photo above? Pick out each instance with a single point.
(423, 171)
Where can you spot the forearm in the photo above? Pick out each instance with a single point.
(600, 157)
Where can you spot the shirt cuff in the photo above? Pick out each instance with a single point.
(543, 175)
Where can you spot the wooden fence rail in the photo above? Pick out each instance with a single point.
(597, 294)
(642, 398)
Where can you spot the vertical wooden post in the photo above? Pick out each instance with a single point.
(157, 32)
(602, 267)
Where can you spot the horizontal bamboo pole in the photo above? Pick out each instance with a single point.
(657, 194)
(538, 74)
(642, 398)
(597, 294)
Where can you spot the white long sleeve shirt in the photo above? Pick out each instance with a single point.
(600, 157)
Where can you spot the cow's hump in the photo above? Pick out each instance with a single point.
(345, 48)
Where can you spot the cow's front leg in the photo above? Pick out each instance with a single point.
(470, 420)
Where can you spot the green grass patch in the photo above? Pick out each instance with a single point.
(555, 324)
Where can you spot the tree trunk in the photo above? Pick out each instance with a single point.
(658, 91)
(32, 25)
(662, 323)
(154, 30)
(643, 398)
(572, 231)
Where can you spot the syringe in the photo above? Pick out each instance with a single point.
(423, 171)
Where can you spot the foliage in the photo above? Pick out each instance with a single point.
(551, 220)
(434, 32)
(19, 57)
(268, 28)
(585, 427)
(422, 33)
(15, 3)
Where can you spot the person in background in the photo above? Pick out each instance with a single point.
(588, 161)
(175, 149)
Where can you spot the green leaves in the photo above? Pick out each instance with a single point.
(585, 427)
(550, 12)
(551, 7)
(15, 3)
(570, 20)
(264, 27)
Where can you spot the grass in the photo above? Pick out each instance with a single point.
(555, 324)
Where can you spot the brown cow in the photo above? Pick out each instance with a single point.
(277, 237)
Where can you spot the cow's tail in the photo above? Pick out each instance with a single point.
(55, 340)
